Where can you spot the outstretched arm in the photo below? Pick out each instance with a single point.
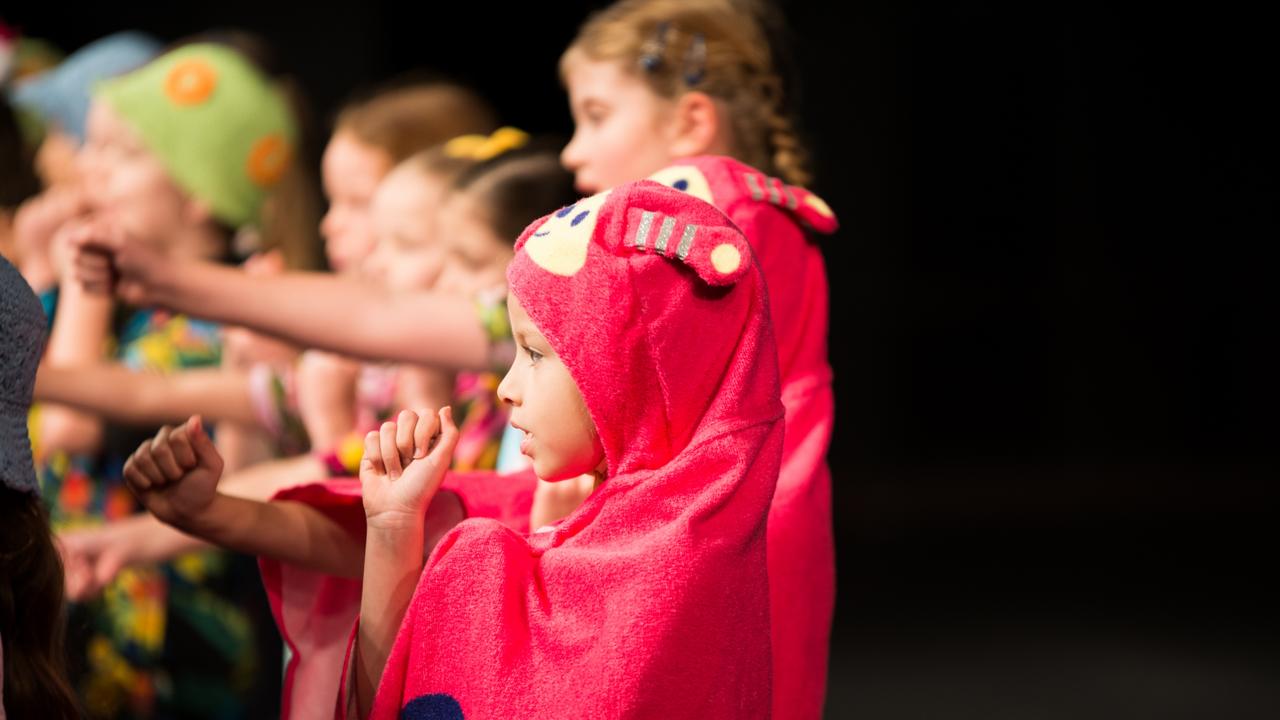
(312, 309)
(175, 476)
(119, 394)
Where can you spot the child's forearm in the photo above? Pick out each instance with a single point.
(78, 338)
(264, 480)
(123, 395)
(332, 313)
(393, 563)
(287, 531)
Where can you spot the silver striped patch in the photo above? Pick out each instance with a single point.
(754, 185)
(774, 197)
(642, 230)
(792, 203)
(664, 234)
(686, 241)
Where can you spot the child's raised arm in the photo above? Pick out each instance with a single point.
(399, 475)
(175, 476)
(313, 309)
(119, 394)
(81, 327)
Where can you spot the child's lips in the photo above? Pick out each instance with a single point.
(526, 440)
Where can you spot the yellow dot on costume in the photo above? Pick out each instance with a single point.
(268, 159)
(191, 82)
(818, 204)
(725, 258)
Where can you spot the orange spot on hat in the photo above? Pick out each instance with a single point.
(268, 159)
(191, 82)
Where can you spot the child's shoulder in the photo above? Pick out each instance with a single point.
(743, 192)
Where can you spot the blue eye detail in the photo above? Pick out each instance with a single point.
(579, 217)
(565, 211)
(681, 184)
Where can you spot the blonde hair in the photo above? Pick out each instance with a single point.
(718, 47)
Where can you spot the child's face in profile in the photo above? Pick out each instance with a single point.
(623, 131)
(407, 255)
(560, 436)
(351, 171)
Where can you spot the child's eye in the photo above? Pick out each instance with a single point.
(534, 355)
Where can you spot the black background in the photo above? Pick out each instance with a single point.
(1054, 487)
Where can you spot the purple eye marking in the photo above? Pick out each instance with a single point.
(565, 211)
(681, 184)
(579, 217)
(541, 234)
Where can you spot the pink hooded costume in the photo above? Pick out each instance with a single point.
(774, 217)
(778, 221)
(650, 600)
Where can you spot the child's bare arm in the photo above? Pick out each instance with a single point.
(175, 476)
(119, 394)
(78, 338)
(424, 386)
(92, 557)
(311, 309)
(326, 390)
(399, 475)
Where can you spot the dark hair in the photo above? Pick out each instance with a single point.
(518, 187)
(31, 612)
(18, 179)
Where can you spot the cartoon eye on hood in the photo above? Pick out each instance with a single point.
(685, 178)
(559, 245)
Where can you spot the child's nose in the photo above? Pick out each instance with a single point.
(570, 158)
(506, 390)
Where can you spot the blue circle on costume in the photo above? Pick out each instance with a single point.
(681, 184)
(436, 706)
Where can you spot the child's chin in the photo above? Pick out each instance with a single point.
(552, 472)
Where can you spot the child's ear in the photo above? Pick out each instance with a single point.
(697, 126)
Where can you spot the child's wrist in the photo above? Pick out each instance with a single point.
(397, 525)
(210, 522)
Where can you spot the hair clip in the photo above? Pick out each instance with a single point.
(695, 61)
(486, 147)
(651, 51)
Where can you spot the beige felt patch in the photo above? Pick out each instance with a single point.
(559, 245)
(725, 258)
(686, 178)
(818, 204)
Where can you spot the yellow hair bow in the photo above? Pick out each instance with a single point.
(486, 147)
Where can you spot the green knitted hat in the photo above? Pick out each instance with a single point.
(221, 129)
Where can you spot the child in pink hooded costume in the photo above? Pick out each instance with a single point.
(775, 218)
(651, 599)
(315, 612)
